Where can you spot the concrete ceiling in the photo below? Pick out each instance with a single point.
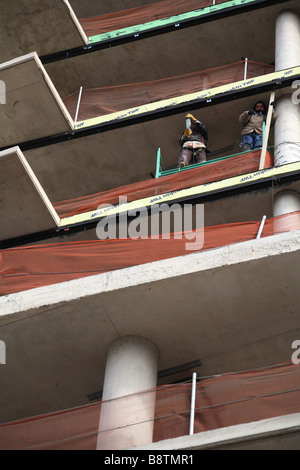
(57, 337)
(44, 26)
(23, 202)
(32, 108)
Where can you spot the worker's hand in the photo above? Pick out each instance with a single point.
(251, 112)
(187, 132)
(190, 116)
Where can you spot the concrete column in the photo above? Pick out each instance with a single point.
(128, 403)
(287, 55)
(287, 40)
(286, 202)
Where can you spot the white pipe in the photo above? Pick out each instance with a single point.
(261, 226)
(245, 68)
(78, 103)
(193, 399)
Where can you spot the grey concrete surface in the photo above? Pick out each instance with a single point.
(44, 26)
(281, 433)
(23, 202)
(33, 108)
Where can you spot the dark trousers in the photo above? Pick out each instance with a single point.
(190, 156)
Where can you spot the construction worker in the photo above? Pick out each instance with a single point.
(193, 142)
(252, 121)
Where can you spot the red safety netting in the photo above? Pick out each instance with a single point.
(221, 401)
(105, 100)
(214, 171)
(135, 16)
(28, 267)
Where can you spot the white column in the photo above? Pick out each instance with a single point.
(286, 202)
(287, 55)
(287, 40)
(128, 400)
(287, 131)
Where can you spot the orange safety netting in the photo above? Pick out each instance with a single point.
(28, 267)
(140, 15)
(105, 100)
(214, 171)
(221, 401)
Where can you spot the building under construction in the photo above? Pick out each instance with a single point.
(145, 305)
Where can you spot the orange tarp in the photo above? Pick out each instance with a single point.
(28, 267)
(134, 16)
(215, 171)
(221, 401)
(96, 102)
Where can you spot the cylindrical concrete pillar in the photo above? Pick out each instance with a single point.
(287, 131)
(128, 399)
(287, 55)
(286, 202)
(287, 40)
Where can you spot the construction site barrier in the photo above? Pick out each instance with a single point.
(24, 268)
(86, 104)
(220, 401)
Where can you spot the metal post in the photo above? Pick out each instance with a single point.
(245, 68)
(78, 103)
(261, 226)
(193, 399)
(158, 167)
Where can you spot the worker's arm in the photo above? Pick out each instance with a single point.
(245, 116)
(201, 128)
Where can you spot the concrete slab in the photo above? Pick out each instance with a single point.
(24, 206)
(44, 26)
(281, 433)
(32, 108)
(240, 306)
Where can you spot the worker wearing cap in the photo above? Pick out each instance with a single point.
(252, 122)
(193, 142)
